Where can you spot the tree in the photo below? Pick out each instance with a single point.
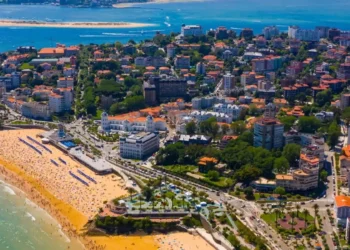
(306, 213)
(281, 165)
(214, 130)
(280, 191)
(238, 127)
(288, 122)
(346, 115)
(183, 201)
(153, 199)
(309, 124)
(164, 200)
(323, 175)
(292, 153)
(277, 212)
(147, 193)
(249, 194)
(323, 97)
(213, 175)
(225, 128)
(315, 207)
(131, 191)
(247, 174)
(298, 208)
(191, 128)
(293, 216)
(333, 133)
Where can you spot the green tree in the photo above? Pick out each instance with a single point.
(346, 115)
(281, 165)
(191, 128)
(292, 153)
(280, 191)
(288, 122)
(131, 191)
(147, 192)
(323, 97)
(333, 133)
(323, 175)
(249, 194)
(306, 213)
(238, 127)
(309, 124)
(225, 128)
(213, 175)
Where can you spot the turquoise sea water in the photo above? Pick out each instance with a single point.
(25, 226)
(235, 14)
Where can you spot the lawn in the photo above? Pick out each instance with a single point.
(21, 122)
(180, 169)
(270, 218)
(26, 66)
(221, 183)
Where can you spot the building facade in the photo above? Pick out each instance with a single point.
(268, 133)
(139, 146)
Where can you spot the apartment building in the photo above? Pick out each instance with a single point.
(61, 100)
(138, 146)
(36, 110)
(182, 62)
(65, 82)
(268, 133)
(270, 31)
(191, 30)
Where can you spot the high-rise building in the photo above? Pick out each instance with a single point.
(332, 33)
(344, 71)
(322, 31)
(191, 30)
(228, 81)
(268, 133)
(270, 31)
(200, 68)
(247, 34)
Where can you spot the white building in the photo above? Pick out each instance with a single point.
(35, 110)
(139, 146)
(270, 31)
(231, 110)
(200, 68)
(191, 30)
(228, 81)
(296, 32)
(201, 116)
(61, 100)
(324, 116)
(132, 122)
(65, 82)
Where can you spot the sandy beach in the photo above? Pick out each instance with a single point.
(27, 23)
(70, 202)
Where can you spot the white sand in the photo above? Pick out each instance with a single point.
(182, 241)
(23, 23)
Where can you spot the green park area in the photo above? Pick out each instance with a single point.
(26, 66)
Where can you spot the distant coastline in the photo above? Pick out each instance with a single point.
(132, 4)
(28, 23)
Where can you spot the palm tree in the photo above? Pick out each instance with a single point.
(277, 216)
(298, 208)
(131, 191)
(183, 201)
(306, 213)
(172, 201)
(140, 199)
(152, 199)
(315, 207)
(164, 200)
(293, 216)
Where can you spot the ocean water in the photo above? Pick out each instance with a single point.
(168, 17)
(25, 226)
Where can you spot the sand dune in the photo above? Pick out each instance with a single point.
(28, 23)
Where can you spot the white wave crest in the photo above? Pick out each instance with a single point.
(30, 216)
(9, 190)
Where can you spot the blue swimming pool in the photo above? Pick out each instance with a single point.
(68, 144)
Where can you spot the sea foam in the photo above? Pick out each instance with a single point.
(9, 190)
(30, 216)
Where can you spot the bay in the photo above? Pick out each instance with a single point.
(168, 17)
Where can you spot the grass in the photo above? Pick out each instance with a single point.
(270, 218)
(26, 66)
(181, 169)
(221, 183)
(21, 122)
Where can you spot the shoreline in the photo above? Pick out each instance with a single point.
(29, 23)
(132, 5)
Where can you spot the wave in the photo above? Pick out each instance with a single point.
(30, 216)
(145, 31)
(118, 34)
(29, 202)
(167, 24)
(9, 190)
(90, 36)
(66, 238)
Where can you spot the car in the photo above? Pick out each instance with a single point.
(302, 203)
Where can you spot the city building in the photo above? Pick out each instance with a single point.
(206, 164)
(36, 110)
(303, 179)
(191, 30)
(182, 62)
(200, 68)
(131, 122)
(221, 33)
(344, 71)
(231, 110)
(332, 33)
(270, 111)
(61, 100)
(65, 82)
(51, 52)
(170, 50)
(344, 100)
(10, 81)
(228, 81)
(247, 34)
(342, 207)
(295, 32)
(157, 90)
(270, 32)
(268, 63)
(322, 31)
(201, 116)
(138, 146)
(268, 133)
